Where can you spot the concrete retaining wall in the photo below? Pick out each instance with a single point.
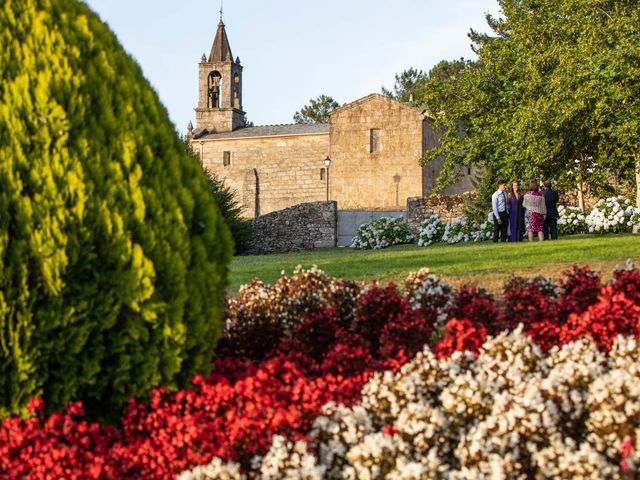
(350, 220)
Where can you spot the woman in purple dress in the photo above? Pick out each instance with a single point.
(534, 203)
(516, 213)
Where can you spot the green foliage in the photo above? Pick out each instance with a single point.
(317, 111)
(554, 94)
(477, 208)
(228, 205)
(405, 84)
(112, 254)
(416, 84)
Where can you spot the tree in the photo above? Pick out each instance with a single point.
(113, 257)
(226, 200)
(412, 83)
(317, 111)
(553, 94)
(406, 82)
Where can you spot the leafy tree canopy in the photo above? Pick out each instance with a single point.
(554, 93)
(317, 111)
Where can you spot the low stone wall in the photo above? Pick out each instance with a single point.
(446, 207)
(302, 227)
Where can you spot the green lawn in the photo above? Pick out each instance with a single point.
(485, 264)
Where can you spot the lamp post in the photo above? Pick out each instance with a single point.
(327, 163)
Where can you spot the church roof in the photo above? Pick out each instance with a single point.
(271, 131)
(221, 50)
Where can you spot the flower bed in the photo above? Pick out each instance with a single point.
(610, 215)
(319, 377)
(433, 230)
(572, 221)
(382, 233)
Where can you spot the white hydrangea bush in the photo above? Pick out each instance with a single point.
(462, 230)
(634, 218)
(382, 233)
(611, 215)
(572, 221)
(512, 411)
(431, 230)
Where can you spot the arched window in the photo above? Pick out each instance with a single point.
(214, 83)
(236, 91)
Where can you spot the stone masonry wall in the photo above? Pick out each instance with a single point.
(446, 207)
(382, 180)
(301, 227)
(269, 173)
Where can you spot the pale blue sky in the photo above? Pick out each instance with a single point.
(291, 50)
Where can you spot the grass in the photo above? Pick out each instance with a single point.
(486, 264)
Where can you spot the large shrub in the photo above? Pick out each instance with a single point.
(382, 233)
(572, 220)
(611, 215)
(112, 254)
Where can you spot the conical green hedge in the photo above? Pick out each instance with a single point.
(112, 254)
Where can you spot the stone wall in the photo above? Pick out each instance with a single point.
(432, 169)
(273, 171)
(269, 173)
(383, 179)
(446, 207)
(301, 227)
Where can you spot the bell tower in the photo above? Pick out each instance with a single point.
(220, 88)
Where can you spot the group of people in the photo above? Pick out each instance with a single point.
(511, 208)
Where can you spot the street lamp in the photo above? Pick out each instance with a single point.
(327, 163)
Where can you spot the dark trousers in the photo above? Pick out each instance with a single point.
(550, 228)
(501, 230)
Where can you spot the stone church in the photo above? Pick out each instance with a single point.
(365, 158)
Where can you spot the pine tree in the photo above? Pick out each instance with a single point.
(227, 202)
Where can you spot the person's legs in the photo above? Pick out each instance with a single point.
(545, 229)
(553, 229)
(496, 229)
(541, 236)
(504, 228)
(530, 236)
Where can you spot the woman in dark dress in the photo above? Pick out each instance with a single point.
(516, 213)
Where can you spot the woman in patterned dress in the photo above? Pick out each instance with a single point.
(534, 203)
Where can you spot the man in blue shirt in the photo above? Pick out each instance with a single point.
(500, 212)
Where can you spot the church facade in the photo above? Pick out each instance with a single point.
(365, 158)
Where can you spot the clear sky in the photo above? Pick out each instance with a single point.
(291, 50)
